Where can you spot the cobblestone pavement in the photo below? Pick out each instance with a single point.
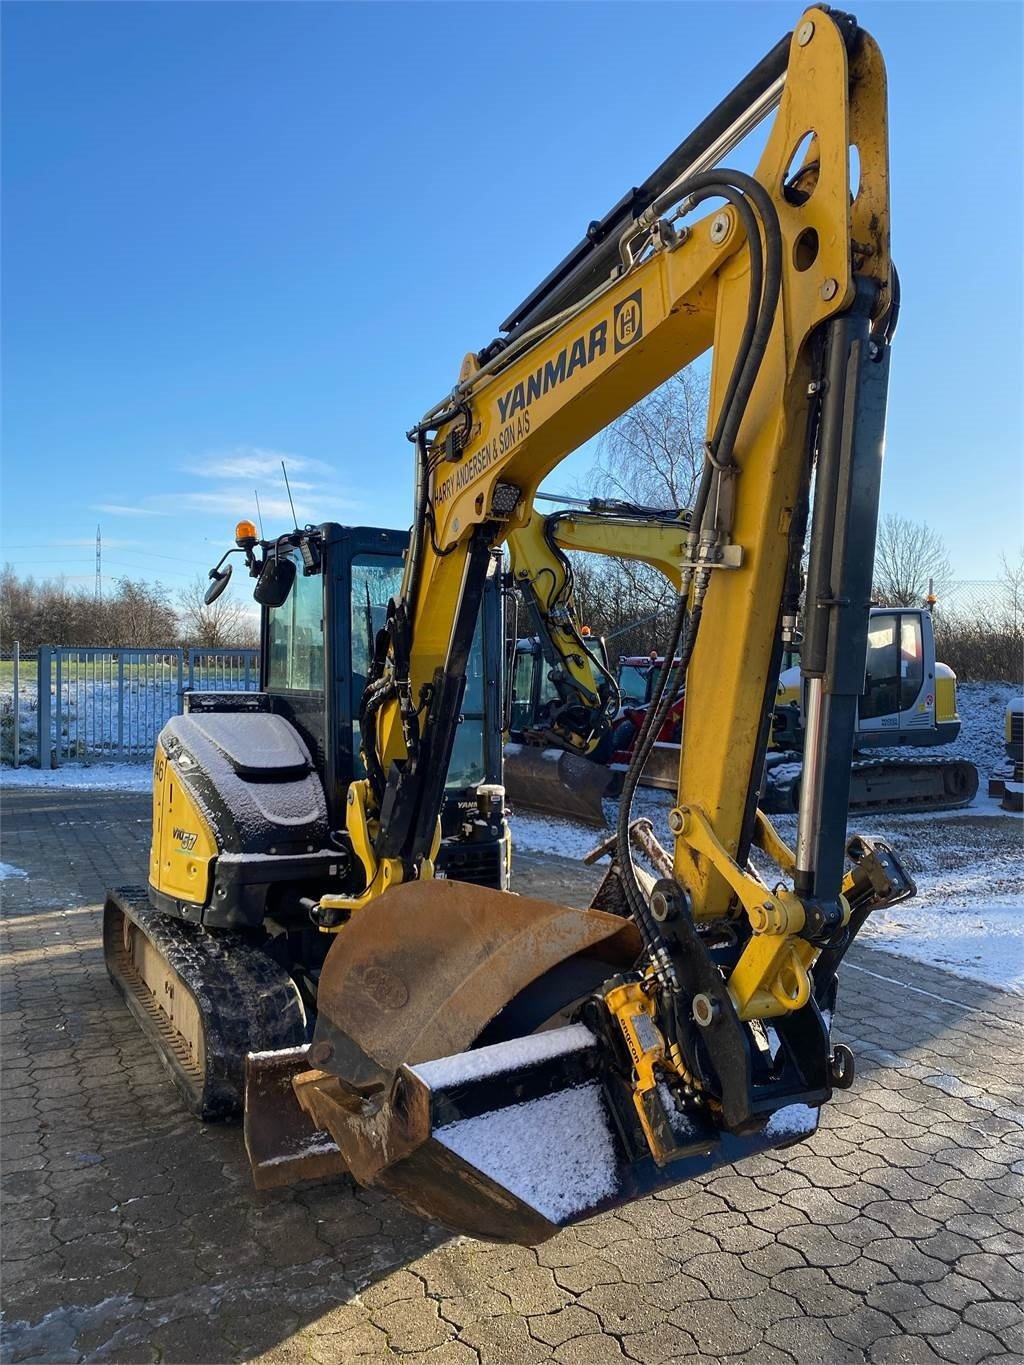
(132, 1233)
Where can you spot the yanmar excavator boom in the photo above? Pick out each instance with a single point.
(508, 1065)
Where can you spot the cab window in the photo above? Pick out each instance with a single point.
(375, 580)
(895, 665)
(466, 768)
(522, 689)
(911, 661)
(295, 635)
(633, 682)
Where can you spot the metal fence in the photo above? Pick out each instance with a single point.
(72, 703)
(990, 601)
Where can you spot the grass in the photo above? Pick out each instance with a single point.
(28, 672)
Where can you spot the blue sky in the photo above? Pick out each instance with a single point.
(236, 231)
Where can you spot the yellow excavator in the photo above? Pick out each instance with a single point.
(508, 1065)
(566, 705)
(563, 696)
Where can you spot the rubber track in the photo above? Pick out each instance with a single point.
(246, 1001)
(782, 798)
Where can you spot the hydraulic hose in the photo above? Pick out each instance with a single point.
(763, 296)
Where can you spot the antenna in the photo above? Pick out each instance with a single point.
(99, 565)
(563, 498)
(259, 514)
(288, 486)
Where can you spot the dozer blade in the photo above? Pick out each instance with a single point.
(660, 771)
(282, 1142)
(514, 1138)
(203, 1000)
(553, 782)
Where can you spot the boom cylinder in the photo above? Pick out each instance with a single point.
(834, 653)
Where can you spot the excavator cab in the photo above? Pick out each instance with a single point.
(316, 650)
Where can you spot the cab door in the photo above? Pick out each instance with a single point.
(524, 686)
(899, 681)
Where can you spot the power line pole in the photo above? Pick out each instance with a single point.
(99, 565)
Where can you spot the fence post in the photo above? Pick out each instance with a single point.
(43, 707)
(59, 693)
(16, 700)
(181, 679)
(120, 702)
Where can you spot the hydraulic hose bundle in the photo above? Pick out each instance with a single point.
(746, 195)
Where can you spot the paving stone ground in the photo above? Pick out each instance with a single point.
(132, 1233)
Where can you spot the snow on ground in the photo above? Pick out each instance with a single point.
(8, 870)
(968, 914)
(984, 943)
(126, 777)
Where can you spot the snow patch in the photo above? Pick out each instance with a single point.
(123, 777)
(555, 1153)
(793, 1120)
(8, 870)
(983, 942)
(499, 1057)
(317, 1144)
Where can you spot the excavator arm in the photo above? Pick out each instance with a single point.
(621, 530)
(587, 693)
(546, 767)
(708, 1039)
(543, 576)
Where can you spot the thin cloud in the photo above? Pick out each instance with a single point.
(255, 463)
(311, 504)
(243, 473)
(117, 509)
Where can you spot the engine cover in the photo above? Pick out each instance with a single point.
(237, 808)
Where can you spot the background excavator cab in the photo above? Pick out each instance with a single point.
(531, 689)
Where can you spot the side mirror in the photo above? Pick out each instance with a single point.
(219, 579)
(275, 582)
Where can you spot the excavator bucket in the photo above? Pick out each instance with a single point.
(513, 1141)
(553, 782)
(451, 1076)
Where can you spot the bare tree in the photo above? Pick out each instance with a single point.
(654, 453)
(51, 612)
(652, 456)
(909, 556)
(140, 614)
(227, 621)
